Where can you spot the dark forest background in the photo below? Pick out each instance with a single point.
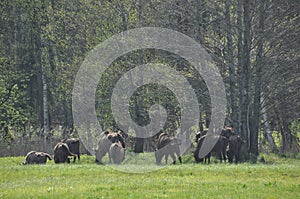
(255, 45)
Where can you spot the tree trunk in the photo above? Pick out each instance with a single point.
(233, 98)
(207, 118)
(240, 59)
(245, 79)
(289, 144)
(139, 142)
(45, 102)
(267, 129)
(200, 122)
(43, 62)
(245, 69)
(200, 21)
(257, 85)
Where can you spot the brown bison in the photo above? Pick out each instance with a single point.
(34, 157)
(116, 153)
(62, 153)
(73, 144)
(167, 145)
(106, 140)
(227, 132)
(219, 148)
(234, 148)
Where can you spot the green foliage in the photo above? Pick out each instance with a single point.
(52, 38)
(295, 128)
(85, 179)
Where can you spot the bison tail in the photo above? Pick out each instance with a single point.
(73, 154)
(48, 156)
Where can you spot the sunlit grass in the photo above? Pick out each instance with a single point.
(280, 178)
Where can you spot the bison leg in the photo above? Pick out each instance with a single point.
(207, 158)
(224, 155)
(99, 156)
(166, 158)
(178, 155)
(196, 156)
(180, 160)
(230, 156)
(173, 157)
(220, 157)
(237, 158)
(158, 157)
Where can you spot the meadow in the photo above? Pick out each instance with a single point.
(278, 178)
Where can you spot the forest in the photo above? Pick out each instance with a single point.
(254, 44)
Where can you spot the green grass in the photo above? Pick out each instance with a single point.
(279, 178)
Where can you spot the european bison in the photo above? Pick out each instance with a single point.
(105, 141)
(34, 157)
(62, 153)
(73, 144)
(167, 145)
(227, 132)
(116, 153)
(219, 148)
(234, 148)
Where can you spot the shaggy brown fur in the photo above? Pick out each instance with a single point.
(234, 148)
(34, 157)
(219, 148)
(62, 152)
(74, 145)
(105, 141)
(167, 145)
(227, 132)
(116, 153)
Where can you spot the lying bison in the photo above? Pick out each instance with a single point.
(34, 157)
(219, 148)
(73, 144)
(167, 146)
(106, 140)
(116, 153)
(234, 148)
(62, 153)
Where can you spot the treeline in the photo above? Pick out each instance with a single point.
(255, 45)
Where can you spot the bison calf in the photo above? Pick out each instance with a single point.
(105, 142)
(116, 153)
(62, 152)
(34, 157)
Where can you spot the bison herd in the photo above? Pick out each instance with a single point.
(227, 146)
(62, 152)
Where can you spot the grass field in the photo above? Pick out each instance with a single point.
(279, 178)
